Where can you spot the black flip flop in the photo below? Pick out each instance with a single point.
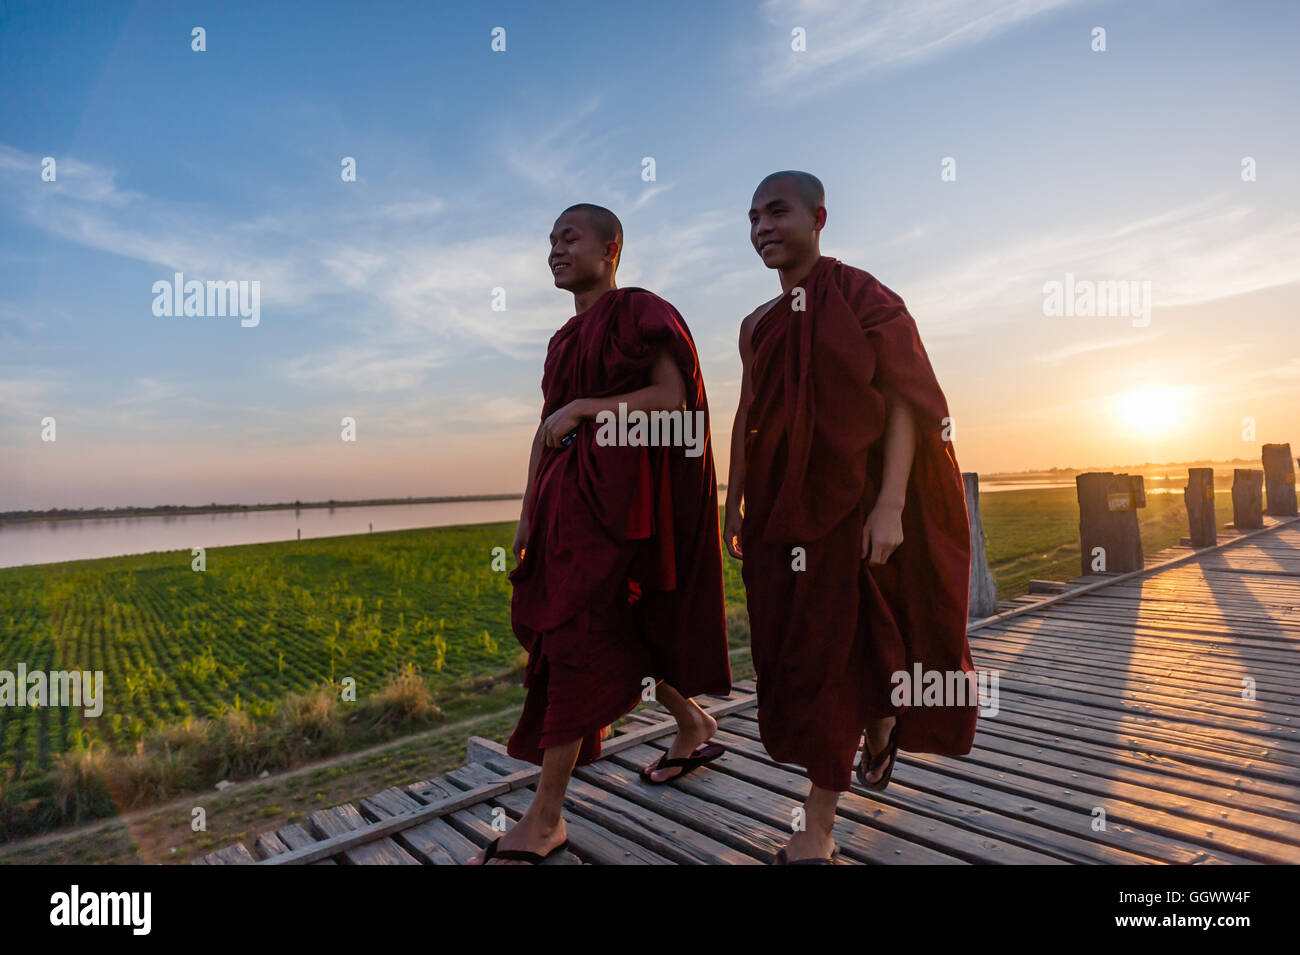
(520, 855)
(783, 859)
(702, 754)
(868, 762)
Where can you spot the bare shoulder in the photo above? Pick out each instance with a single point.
(752, 319)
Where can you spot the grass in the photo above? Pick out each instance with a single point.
(242, 668)
(262, 622)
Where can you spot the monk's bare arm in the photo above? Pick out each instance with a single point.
(732, 518)
(883, 531)
(665, 392)
(521, 532)
(532, 467)
(900, 448)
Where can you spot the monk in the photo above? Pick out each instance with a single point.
(618, 581)
(847, 506)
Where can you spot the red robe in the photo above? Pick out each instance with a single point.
(827, 639)
(622, 571)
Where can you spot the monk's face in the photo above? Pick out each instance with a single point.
(578, 259)
(781, 226)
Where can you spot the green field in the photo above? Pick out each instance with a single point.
(261, 621)
(269, 622)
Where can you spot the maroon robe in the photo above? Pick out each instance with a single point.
(826, 639)
(621, 577)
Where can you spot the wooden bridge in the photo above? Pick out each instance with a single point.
(1124, 733)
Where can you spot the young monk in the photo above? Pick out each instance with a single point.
(619, 574)
(853, 532)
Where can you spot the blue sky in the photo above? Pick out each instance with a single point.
(376, 294)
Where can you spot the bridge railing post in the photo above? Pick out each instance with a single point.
(983, 590)
(1109, 539)
(1198, 496)
(1279, 480)
(1247, 498)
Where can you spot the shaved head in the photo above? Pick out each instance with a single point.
(807, 186)
(604, 222)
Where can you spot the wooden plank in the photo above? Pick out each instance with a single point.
(341, 820)
(432, 810)
(1139, 642)
(439, 829)
(419, 841)
(1068, 747)
(1015, 820)
(1131, 575)
(749, 836)
(666, 837)
(476, 823)
(295, 837)
(1109, 790)
(1138, 733)
(1179, 666)
(268, 844)
(230, 855)
(775, 808)
(948, 831)
(1247, 718)
(589, 841)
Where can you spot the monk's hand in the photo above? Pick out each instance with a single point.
(561, 422)
(882, 532)
(521, 540)
(731, 533)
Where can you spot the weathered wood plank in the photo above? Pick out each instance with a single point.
(419, 841)
(295, 837)
(341, 820)
(235, 854)
(775, 807)
(588, 840)
(662, 835)
(1020, 821)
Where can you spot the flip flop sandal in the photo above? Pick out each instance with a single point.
(519, 855)
(783, 859)
(702, 754)
(868, 763)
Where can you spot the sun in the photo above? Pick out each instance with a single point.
(1152, 412)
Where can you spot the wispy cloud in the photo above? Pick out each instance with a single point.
(553, 156)
(369, 370)
(73, 179)
(1204, 251)
(1092, 345)
(846, 40)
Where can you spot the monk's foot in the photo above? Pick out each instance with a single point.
(810, 844)
(878, 739)
(690, 737)
(527, 835)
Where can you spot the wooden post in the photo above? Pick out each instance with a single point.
(1139, 490)
(983, 591)
(1279, 480)
(1247, 498)
(1109, 540)
(1199, 498)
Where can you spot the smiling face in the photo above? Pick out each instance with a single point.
(783, 230)
(579, 259)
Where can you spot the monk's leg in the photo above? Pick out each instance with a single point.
(694, 728)
(816, 840)
(541, 828)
